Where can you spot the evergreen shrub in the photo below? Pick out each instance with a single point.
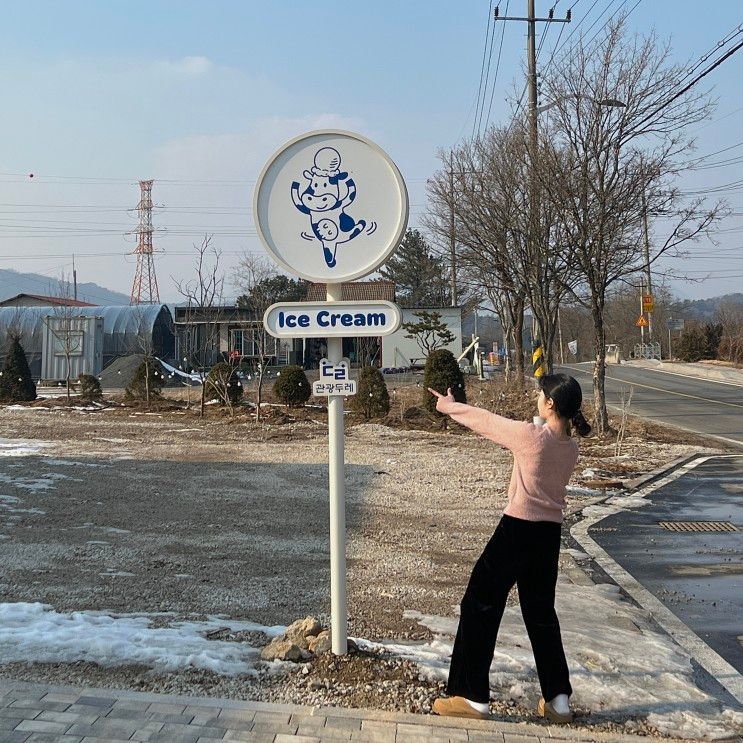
(16, 384)
(292, 386)
(371, 399)
(90, 388)
(442, 372)
(137, 389)
(222, 384)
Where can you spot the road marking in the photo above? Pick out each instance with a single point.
(711, 661)
(669, 392)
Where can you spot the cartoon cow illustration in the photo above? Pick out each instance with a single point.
(325, 198)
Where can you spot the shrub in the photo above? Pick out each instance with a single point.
(147, 371)
(16, 384)
(371, 399)
(90, 388)
(223, 384)
(442, 372)
(712, 338)
(292, 386)
(692, 344)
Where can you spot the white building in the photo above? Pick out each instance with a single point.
(399, 351)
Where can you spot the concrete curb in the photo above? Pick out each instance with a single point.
(727, 676)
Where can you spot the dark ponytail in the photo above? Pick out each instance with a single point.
(580, 424)
(567, 396)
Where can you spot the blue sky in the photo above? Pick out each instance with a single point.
(197, 95)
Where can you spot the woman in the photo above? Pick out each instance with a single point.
(523, 550)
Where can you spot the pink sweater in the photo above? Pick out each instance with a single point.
(543, 462)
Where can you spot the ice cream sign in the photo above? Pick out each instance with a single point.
(330, 206)
(324, 319)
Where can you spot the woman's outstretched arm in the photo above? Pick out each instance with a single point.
(504, 431)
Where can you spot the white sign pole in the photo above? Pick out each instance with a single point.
(336, 485)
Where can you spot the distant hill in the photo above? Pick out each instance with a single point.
(704, 309)
(13, 282)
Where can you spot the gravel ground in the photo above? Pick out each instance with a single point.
(129, 511)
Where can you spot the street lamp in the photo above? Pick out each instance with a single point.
(609, 102)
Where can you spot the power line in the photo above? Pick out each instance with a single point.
(482, 72)
(497, 68)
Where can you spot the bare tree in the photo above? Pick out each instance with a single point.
(508, 247)
(66, 327)
(253, 278)
(204, 300)
(618, 145)
(144, 345)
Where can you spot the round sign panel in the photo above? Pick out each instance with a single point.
(330, 206)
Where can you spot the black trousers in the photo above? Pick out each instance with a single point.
(524, 553)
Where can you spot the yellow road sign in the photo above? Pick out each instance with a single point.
(641, 322)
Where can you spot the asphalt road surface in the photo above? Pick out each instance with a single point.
(700, 405)
(698, 576)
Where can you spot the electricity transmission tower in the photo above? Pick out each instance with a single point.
(144, 289)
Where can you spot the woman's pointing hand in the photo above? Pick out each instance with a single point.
(443, 402)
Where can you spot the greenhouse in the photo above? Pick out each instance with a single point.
(126, 330)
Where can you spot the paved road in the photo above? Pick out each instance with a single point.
(699, 405)
(698, 576)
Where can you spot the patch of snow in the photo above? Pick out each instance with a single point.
(628, 501)
(577, 490)
(34, 632)
(620, 665)
(21, 447)
(577, 554)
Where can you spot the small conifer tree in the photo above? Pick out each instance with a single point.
(90, 388)
(147, 381)
(16, 384)
(371, 399)
(224, 385)
(292, 386)
(441, 373)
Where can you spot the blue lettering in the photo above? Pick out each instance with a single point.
(281, 319)
(322, 318)
(346, 320)
(291, 321)
(304, 321)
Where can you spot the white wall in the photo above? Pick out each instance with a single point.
(397, 350)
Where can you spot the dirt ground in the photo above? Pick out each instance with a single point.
(133, 510)
(148, 511)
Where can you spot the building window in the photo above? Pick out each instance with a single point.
(247, 342)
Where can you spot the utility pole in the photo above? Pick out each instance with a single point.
(452, 233)
(531, 56)
(74, 277)
(531, 82)
(647, 255)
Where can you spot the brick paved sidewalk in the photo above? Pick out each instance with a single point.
(67, 714)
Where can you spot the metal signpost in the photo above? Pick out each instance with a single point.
(330, 206)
